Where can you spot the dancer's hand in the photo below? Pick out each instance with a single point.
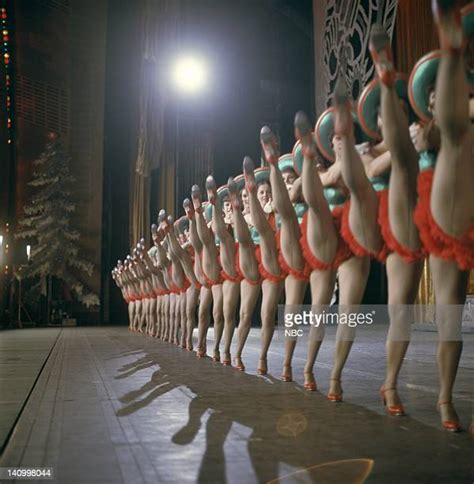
(425, 137)
(296, 191)
(363, 148)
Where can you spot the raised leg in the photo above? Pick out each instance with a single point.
(363, 214)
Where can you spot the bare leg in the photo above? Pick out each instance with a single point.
(210, 254)
(289, 239)
(192, 295)
(230, 292)
(402, 194)
(249, 296)
(450, 286)
(183, 320)
(353, 275)
(153, 319)
(230, 289)
(322, 288)
(364, 206)
(271, 294)
(268, 244)
(290, 230)
(218, 315)
(294, 290)
(403, 283)
(227, 243)
(204, 316)
(131, 313)
(247, 260)
(451, 196)
(321, 233)
(159, 303)
(172, 309)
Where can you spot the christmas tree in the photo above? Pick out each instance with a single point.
(46, 220)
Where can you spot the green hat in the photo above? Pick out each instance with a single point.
(324, 131)
(182, 224)
(422, 77)
(239, 180)
(297, 154)
(262, 175)
(369, 102)
(222, 192)
(285, 162)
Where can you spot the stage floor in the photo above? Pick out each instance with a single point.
(113, 406)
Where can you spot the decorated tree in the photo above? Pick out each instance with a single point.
(47, 223)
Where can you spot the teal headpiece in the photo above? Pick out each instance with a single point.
(422, 78)
(324, 131)
(222, 193)
(285, 162)
(369, 103)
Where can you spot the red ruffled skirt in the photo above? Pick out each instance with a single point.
(210, 282)
(240, 273)
(343, 251)
(301, 275)
(266, 274)
(435, 240)
(393, 245)
(354, 246)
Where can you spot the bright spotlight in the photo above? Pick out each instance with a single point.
(189, 74)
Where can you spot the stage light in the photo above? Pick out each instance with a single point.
(189, 74)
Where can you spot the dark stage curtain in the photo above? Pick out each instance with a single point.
(160, 35)
(415, 33)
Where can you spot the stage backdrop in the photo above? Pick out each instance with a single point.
(60, 61)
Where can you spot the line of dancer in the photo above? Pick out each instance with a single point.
(386, 178)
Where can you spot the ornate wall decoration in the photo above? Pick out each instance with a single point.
(346, 40)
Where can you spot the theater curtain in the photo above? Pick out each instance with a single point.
(415, 33)
(159, 40)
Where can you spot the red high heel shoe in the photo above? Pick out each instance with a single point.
(216, 357)
(196, 198)
(450, 425)
(303, 133)
(249, 167)
(211, 189)
(269, 145)
(260, 369)
(201, 354)
(393, 410)
(311, 386)
(239, 365)
(164, 222)
(382, 55)
(447, 17)
(287, 376)
(335, 397)
(227, 361)
(343, 125)
(233, 193)
(188, 208)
